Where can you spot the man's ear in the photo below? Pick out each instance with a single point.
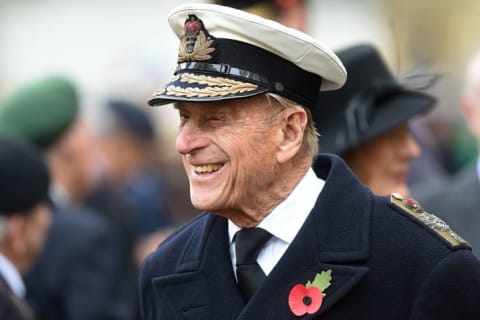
(294, 122)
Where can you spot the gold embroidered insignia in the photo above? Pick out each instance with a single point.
(174, 78)
(216, 86)
(159, 92)
(195, 43)
(435, 223)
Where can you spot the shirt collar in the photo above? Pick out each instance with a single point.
(59, 195)
(12, 276)
(287, 218)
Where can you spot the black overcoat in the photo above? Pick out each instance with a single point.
(385, 263)
(11, 306)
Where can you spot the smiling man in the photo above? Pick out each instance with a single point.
(247, 159)
(279, 239)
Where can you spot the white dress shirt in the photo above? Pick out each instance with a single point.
(283, 222)
(12, 276)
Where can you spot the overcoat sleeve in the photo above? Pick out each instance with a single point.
(452, 291)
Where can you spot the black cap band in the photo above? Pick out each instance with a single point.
(232, 57)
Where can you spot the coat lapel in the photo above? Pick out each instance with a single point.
(334, 237)
(206, 273)
(12, 306)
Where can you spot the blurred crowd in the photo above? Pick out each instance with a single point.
(114, 197)
(110, 200)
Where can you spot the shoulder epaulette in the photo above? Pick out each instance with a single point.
(413, 208)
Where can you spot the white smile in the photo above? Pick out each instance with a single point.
(207, 168)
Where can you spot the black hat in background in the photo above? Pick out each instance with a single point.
(370, 103)
(24, 176)
(132, 118)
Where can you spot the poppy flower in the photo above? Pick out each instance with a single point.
(302, 300)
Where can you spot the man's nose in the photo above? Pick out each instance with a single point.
(190, 138)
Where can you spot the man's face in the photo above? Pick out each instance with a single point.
(383, 163)
(228, 151)
(29, 233)
(79, 156)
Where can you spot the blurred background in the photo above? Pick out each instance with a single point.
(125, 50)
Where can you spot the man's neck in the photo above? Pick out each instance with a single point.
(263, 204)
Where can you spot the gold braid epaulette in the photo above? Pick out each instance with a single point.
(413, 208)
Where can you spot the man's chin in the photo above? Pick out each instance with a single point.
(202, 205)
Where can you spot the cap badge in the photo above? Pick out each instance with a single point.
(196, 44)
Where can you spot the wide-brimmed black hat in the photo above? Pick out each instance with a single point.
(226, 53)
(370, 103)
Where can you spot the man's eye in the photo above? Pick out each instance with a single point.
(183, 119)
(216, 119)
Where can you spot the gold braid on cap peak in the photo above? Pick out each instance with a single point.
(216, 86)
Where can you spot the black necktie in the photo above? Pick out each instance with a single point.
(248, 243)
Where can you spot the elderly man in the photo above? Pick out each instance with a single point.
(279, 240)
(25, 217)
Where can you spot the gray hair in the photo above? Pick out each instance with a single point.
(310, 138)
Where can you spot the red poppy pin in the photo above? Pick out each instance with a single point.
(308, 298)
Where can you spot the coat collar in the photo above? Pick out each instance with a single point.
(334, 236)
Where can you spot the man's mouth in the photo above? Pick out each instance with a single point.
(207, 168)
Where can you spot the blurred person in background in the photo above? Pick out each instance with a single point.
(81, 274)
(446, 143)
(127, 138)
(366, 122)
(25, 216)
(457, 200)
(128, 141)
(290, 13)
(433, 135)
